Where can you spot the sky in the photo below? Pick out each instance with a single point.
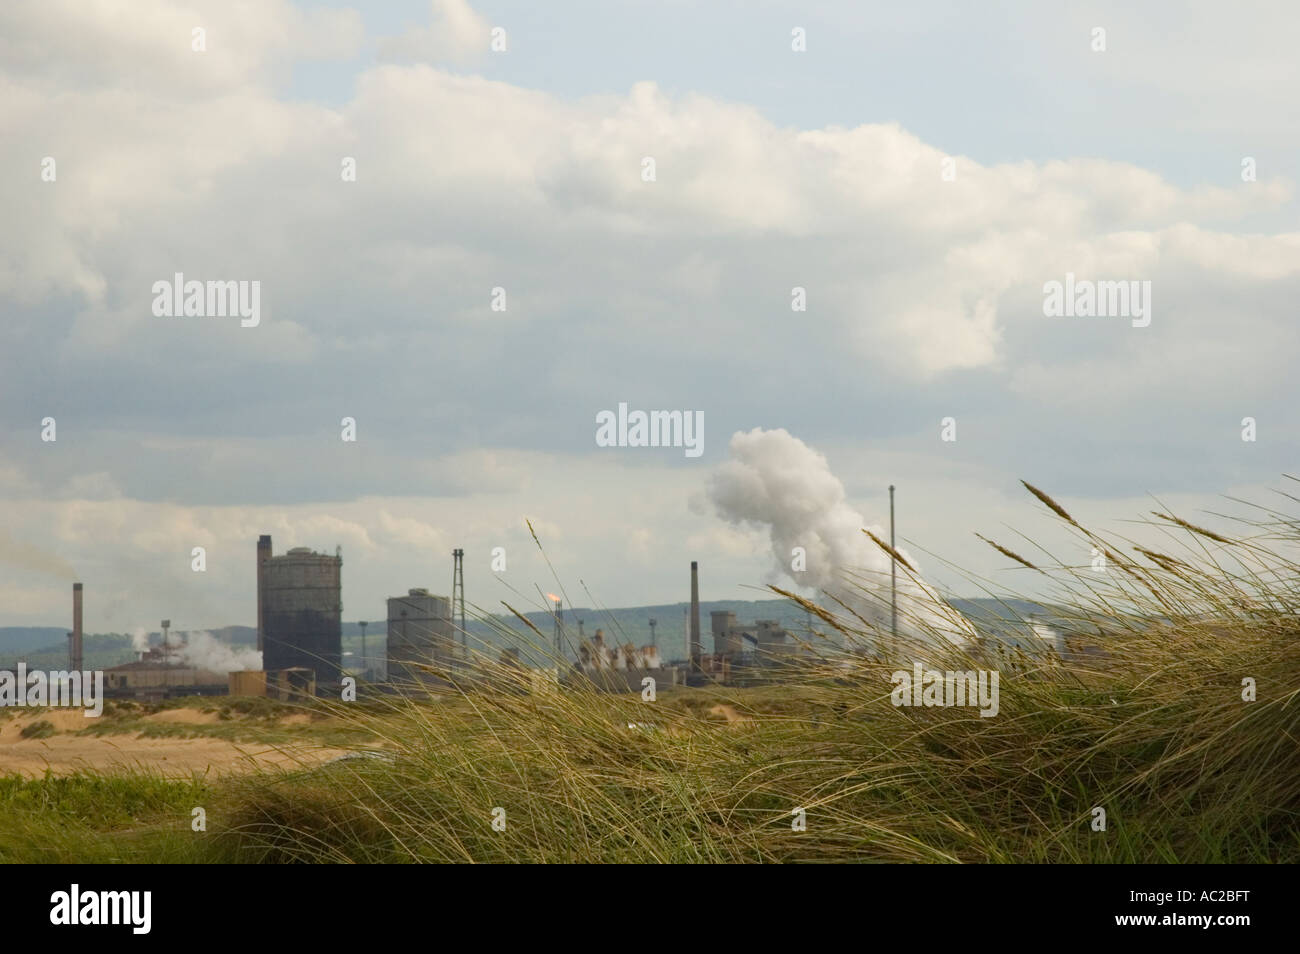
(919, 170)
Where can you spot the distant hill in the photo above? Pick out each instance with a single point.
(21, 639)
(628, 624)
(631, 624)
(46, 646)
(236, 635)
(98, 651)
(992, 610)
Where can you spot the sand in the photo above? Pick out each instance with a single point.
(186, 716)
(67, 752)
(730, 714)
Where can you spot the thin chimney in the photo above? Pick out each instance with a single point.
(695, 615)
(76, 627)
(263, 554)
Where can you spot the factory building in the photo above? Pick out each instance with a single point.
(595, 654)
(421, 638)
(152, 679)
(765, 639)
(742, 652)
(614, 668)
(300, 611)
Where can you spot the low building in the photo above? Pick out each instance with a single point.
(248, 682)
(151, 680)
(285, 685)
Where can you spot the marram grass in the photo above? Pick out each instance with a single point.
(1153, 729)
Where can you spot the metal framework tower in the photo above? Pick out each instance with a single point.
(458, 597)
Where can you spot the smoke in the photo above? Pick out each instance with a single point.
(29, 557)
(205, 651)
(201, 650)
(775, 480)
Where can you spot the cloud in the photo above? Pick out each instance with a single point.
(455, 34)
(32, 558)
(924, 296)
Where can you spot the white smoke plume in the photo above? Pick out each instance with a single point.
(201, 650)
(775, 480)
(205, 651)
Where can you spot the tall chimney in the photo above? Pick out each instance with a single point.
(695, 615)
(263, 554)
(76, 627)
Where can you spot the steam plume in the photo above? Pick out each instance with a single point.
(775, 480)
(201, 650)
(205, 651)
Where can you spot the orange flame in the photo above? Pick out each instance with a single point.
(552, 597)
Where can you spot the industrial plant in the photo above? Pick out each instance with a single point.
(299, 642)
(299, 650)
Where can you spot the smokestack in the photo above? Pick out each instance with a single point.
(695, 615)
(76, 627)
(263, 554)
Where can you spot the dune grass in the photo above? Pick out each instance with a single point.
(1158, 729)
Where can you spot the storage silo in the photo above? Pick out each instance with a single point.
(420, 634)
(302, 613)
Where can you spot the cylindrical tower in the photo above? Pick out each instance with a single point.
(420, 634)
(302, 613)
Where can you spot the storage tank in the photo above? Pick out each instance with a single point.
(420, 633)
(302, 613)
